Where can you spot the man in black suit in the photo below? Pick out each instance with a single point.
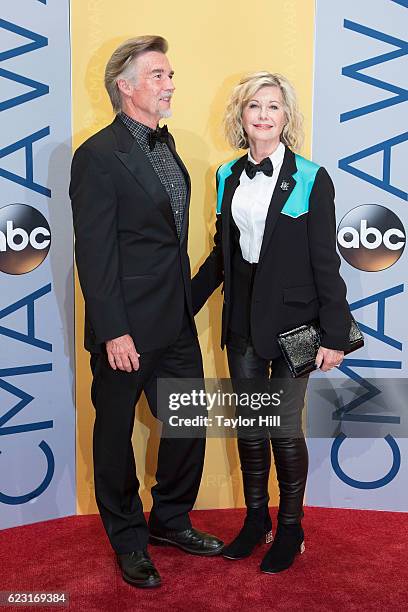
(130, 194)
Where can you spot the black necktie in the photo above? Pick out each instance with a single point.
(265, 166)
(160, 134)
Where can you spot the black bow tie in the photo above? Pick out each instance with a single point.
(160, 134)
(265, 166)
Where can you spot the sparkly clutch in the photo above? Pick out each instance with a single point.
(299, 346)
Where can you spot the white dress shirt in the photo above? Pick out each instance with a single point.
(250, 205)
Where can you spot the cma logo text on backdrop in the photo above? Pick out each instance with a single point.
(371, 238)
(24, 244)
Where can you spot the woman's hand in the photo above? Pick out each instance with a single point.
(327, 359)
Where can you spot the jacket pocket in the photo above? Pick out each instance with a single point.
(137, 276)
(303, 294)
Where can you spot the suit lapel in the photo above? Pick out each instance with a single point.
(132, 156)
(230, 186)
(284, 187)
(135, 160)
(178, 159)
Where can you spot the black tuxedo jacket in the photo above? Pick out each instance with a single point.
(133, 269)
(297, 277)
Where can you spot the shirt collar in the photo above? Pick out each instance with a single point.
(276, 157)
(140, 131)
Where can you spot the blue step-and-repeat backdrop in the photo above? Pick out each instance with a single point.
(359, 458)
(359, 134)
(37, 417)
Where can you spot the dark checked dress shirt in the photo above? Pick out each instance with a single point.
(165, 166)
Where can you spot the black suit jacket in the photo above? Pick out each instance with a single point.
(133, 269)
(297, 278)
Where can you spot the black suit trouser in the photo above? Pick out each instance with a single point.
(180, 460)
(289, 451)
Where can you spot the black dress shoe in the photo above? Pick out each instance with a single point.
(288, 542)
(257, 529)
(190, 540)
(138, 569)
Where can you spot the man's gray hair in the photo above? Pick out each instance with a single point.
(120, 64)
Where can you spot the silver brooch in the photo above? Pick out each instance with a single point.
(284, 185)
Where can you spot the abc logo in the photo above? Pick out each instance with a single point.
(371, 237)
(25, 238)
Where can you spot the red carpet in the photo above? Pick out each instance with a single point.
(354, 560)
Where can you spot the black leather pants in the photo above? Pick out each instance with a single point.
(290, 453)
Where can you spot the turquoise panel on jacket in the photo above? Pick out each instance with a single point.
(223, 173)
(297, 203)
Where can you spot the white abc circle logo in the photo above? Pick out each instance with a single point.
(371, 237)
(9, 240)
(25, 238)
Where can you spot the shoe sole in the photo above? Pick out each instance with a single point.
(157, 541)
(299, 552)
(244, 556)
(145, 585)
(268, 539)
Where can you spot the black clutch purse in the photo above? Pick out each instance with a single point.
(299, 346)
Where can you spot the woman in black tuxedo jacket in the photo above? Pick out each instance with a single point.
(275, 252)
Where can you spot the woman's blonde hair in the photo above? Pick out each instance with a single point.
(292, 134)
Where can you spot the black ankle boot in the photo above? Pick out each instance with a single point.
(257, 529)
(287, 544)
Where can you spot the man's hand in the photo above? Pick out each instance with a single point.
(326, 359)
(122, 354)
